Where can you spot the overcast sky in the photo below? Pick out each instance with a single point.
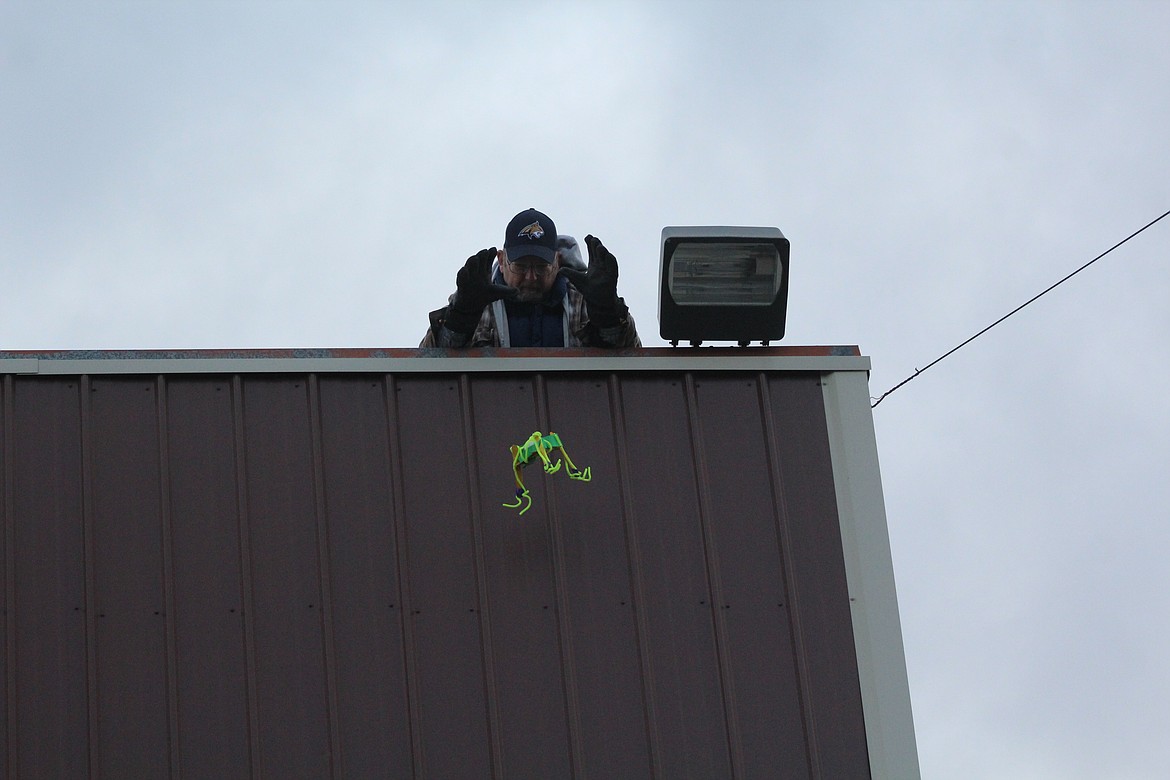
(283, 174)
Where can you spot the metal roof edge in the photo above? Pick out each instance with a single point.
(823, 359)
(869, 572)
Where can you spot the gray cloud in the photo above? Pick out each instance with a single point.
(209, 175)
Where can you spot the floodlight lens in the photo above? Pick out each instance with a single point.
(724, 274)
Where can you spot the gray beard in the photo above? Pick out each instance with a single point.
(529, 296)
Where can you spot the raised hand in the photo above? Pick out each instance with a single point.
(473, 291)
(598, 284)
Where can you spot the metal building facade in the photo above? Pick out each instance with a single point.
(299, 565)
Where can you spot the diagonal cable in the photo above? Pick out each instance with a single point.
(1039, 295)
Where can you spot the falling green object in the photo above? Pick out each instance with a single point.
(542, 447)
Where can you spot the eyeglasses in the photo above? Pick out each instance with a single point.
(538, 270)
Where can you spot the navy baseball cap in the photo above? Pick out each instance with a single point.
(531, 234)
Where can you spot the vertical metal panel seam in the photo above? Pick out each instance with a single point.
(564, 619)
(398, 507)
(85, 390)
(491, 696)
(784, 538)
(634, 561)
(248, 604)
(722, 640)
(7, 409)
(336, 762)
(168, 564)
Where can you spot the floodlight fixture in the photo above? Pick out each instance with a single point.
(723, 284)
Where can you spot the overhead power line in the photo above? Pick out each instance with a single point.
(1036, 297)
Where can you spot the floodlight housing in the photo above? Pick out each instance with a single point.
(723, 284)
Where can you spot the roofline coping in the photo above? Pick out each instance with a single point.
(314, 361)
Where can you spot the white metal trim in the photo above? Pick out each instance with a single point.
(19, 366)
(97, 366)
(869, 572)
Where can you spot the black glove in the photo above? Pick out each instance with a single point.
(598, 285)
(473, 291)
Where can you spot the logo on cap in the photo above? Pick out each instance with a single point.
(533, 232)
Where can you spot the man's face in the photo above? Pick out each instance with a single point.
(530, 275)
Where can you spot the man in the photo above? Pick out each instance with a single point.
(524, 295)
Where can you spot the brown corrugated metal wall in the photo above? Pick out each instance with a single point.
(313, 576)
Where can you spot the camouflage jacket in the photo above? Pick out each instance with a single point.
(493, 325)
